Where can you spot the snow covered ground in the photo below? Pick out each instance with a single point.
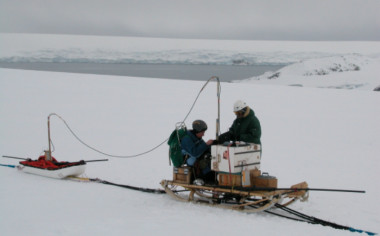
(327, 137)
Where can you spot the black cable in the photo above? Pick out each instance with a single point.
(314, 220)
(146, 190)
(288, 217)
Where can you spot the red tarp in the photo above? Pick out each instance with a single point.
(42, 163)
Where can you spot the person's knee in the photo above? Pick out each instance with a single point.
(191, 160)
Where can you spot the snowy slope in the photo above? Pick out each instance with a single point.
(327, 137)
(350, 71)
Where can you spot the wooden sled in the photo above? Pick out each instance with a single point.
(241, 199)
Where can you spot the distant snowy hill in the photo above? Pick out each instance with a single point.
(351, 71)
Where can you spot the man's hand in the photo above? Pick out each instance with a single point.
(209, 142)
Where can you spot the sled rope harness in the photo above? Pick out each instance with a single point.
(143, 153)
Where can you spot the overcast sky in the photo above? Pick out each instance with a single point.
(202, 19)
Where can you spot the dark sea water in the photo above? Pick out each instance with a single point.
(168, 71)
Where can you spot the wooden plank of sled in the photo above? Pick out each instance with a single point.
(289, 202)
(251, 203)
(242, 207)
(271, 203)
(165, 183)
(298, 193)
(268, 202)
(228, 190)
(78, 178)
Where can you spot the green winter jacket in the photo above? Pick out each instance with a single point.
(245, 129)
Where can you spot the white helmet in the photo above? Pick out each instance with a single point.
(239, 105)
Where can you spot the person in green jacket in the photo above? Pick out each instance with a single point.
(246, 127)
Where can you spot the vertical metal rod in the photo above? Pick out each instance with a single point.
(218, 96)
(48, 153)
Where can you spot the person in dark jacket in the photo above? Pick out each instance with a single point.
(246, 127)
(196, 148)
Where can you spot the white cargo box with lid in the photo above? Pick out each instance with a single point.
(235, 159)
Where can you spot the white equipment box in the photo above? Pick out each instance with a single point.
(235, 159)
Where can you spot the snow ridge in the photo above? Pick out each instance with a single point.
(348, 71)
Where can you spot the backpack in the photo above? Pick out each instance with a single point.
(174, 142)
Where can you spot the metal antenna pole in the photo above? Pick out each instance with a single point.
(218, 120)
(48, 152)
(218, 95)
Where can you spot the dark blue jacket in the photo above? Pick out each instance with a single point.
(193, 145)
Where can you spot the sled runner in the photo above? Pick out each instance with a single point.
(242, 199)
